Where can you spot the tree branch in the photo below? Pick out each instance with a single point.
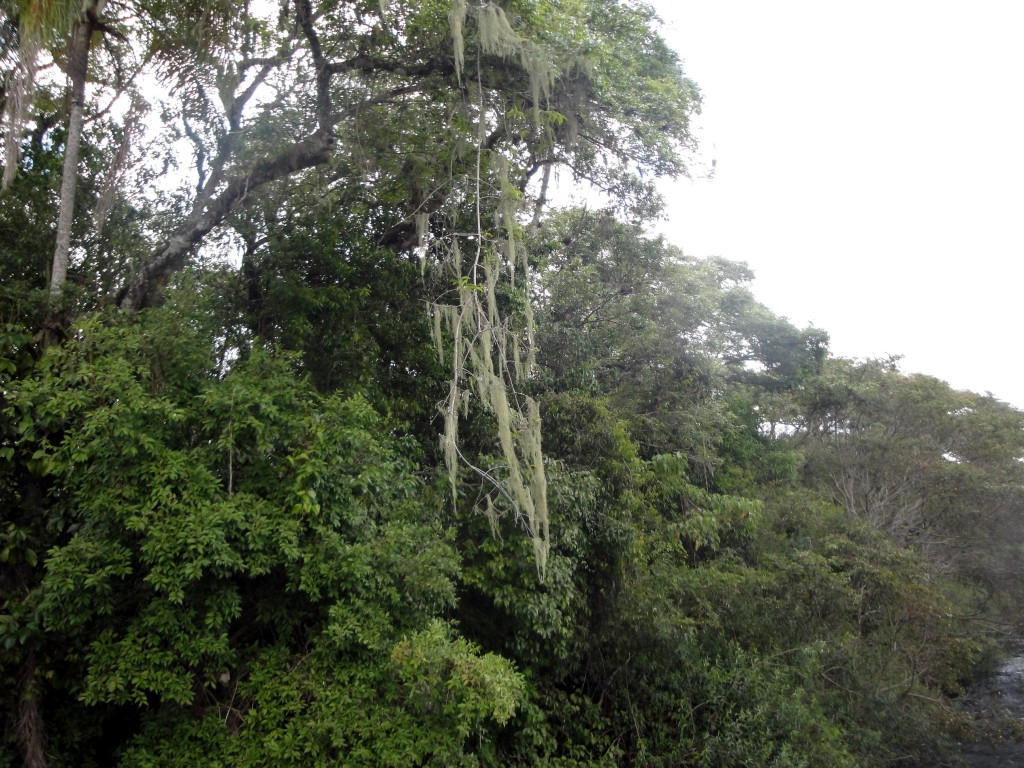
(304, 16)
(170, 256)
(439, 65)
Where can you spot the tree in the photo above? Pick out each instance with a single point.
(59, 24)
(373, 91)
(935, 469)
(257, 560)
(348, 82)
(82, 30)
(630, 318)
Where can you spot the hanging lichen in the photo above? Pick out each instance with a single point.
(476, 338)
(496, 37)
(456, 19)
(490, 351)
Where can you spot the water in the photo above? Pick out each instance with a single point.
(1004, 693)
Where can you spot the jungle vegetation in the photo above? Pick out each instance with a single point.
(325, 439)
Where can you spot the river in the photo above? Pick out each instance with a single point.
(1004, 692)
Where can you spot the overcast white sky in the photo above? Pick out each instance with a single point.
(870, 168)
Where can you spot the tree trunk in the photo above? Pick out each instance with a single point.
(78, 66)
(28, 727)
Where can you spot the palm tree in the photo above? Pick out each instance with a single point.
(82, 29)
(69, 24)
(42, 23)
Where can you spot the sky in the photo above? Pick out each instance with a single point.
(869, 168)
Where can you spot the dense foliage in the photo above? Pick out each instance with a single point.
(230, 534)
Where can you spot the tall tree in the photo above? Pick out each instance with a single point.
(66, 25)
(79, 43)
(374, 88)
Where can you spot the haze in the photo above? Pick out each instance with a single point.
(869, 168)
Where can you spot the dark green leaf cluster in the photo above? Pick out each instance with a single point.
(250, 568)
